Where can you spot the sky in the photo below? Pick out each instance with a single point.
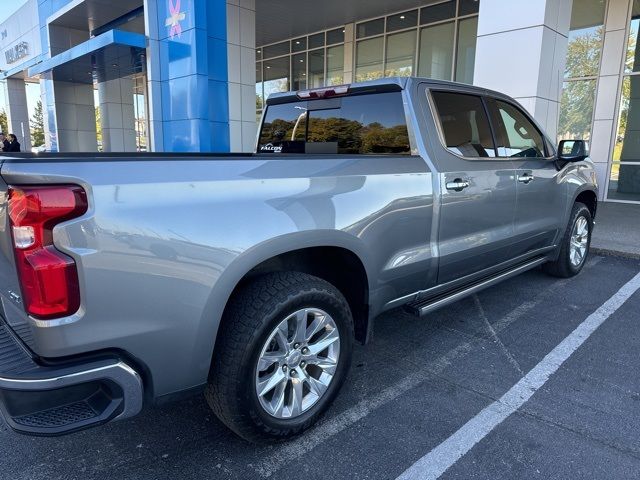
(7, 7)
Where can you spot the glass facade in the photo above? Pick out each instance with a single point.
(584, 52)
(437, 40)
(311, 61)
(624, 181)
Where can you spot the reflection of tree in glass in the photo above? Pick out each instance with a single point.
(350, 135)
(583, 53)
(354, 137)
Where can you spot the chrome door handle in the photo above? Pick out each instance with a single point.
(457, 185)
(526, 178)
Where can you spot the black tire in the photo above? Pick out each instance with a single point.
(250, 317)
(562, 267)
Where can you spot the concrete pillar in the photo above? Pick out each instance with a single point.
(188, 75)
(241, 54)
(117, 115)
(349, 42)
(17, 112)
(607, 96)
(75, 117)
(523, 53)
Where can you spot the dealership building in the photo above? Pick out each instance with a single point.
(193, 75)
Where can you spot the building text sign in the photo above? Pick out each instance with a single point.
(17, 52)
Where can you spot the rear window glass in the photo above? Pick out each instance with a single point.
(359, 124)
(464, 124)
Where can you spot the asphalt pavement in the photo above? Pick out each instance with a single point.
(418, 384)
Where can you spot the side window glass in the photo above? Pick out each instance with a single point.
(519, 137)
(464, 124)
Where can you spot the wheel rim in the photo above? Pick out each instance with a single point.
(579, 242)
(297, 363)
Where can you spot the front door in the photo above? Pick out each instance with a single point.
(478, 189)
(540, 195)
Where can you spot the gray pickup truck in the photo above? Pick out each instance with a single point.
(128, 280)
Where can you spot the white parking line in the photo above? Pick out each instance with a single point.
(281, 456)
(441, 458)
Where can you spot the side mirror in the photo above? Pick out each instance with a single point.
(572, 150)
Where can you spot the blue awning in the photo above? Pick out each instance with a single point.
(113, 54)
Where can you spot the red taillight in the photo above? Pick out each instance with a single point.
(48, 277)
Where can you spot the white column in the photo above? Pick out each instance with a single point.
(75, 117)
(521, 51)
(17, 112)
(349, 42)
(117, 115)
(607, 97)
(241, 61)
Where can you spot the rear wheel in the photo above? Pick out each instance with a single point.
(284, 352)
(575, 244)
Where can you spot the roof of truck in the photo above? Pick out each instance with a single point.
(388, 84)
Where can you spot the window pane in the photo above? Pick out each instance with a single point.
(576, 110)
(624, 183)
(316, 40)
(517, 136)
(369, 59)
(258, 53)
(275, 50)
(625, 178)
(362, 124)
(299, 44)
(299, 71)
(401, 53)
(464, 124)
(276, 76)
(585, 39)
(316, 68)
(335, 36)
(367, 29)
(402, 21)
(436, 51)
(335, 65)
(466, 58)
(467, 7)
(437, 13)
(632, 63)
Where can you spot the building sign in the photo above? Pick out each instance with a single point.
(17, 52)
(175, 17)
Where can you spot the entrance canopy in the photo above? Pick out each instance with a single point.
(114, 54)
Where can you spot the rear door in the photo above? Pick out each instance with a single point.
(477, 188)
(540, 195)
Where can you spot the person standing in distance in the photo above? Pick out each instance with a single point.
(4, 143)
(14, 145)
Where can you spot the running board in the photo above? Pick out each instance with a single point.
(421, 308)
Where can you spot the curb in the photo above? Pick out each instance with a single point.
(615, 253)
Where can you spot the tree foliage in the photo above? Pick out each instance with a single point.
(4, 123)
(37, 126)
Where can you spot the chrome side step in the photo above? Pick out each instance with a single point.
(421, 308)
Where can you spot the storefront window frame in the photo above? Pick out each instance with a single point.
(457, 19)
(260, 59)
(624, 74)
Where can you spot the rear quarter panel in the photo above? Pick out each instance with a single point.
(165, 242)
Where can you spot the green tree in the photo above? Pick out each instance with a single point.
(4, 123)
(37, 126)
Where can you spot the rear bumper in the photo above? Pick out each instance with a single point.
(54, 400)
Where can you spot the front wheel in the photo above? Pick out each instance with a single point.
(575, 245)
(284, 352)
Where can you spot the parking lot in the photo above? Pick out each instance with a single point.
(418, 383)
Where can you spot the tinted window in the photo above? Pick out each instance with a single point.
(362, 124)
(464, 124)
(517, 136)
